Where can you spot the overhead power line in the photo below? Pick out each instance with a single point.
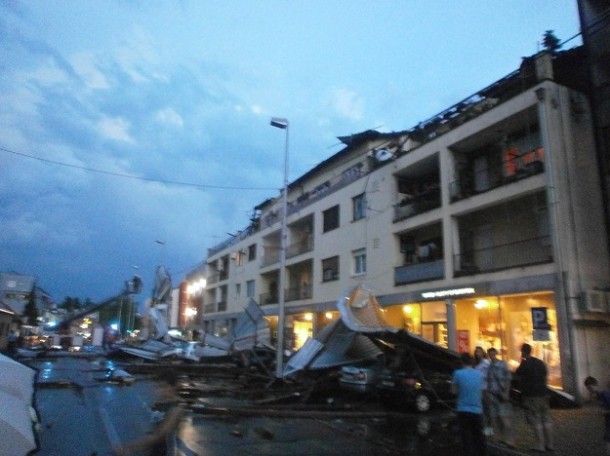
(131, 176)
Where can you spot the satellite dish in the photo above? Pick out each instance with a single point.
(383, 155)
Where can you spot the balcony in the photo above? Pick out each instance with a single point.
(411, 208)
(302, 246)
(268, 298)
(419, 272)
(513, 169)
(297, 293)
(209, 308)
(270, 257)
(527, 252)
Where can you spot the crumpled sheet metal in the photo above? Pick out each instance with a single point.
(361, 312)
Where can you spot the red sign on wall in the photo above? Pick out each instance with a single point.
(463, 341)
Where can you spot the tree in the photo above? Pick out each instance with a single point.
(550, 42)
(31, 309)
(70, 304)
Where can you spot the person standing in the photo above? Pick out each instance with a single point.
(603, 397)
(481, 363)
(498, 381)
(468, 383)
(532, 377)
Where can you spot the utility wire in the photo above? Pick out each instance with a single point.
(131, 176)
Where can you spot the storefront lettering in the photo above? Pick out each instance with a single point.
(448, 293)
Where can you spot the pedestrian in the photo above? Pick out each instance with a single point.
(11, 347)
(603, 397)
(481, 363)
(498, 382)
(171, 411)
(532, 377)
(468, 384)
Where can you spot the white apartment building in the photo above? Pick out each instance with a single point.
(482, 226)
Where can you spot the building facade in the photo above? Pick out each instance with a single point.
(482, 226)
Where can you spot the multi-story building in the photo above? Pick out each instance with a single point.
(483, 225)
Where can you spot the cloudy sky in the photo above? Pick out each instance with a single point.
(127, 122)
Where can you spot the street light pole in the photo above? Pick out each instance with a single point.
(279, 355)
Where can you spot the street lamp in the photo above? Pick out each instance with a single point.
(279, 355)
(161, 251)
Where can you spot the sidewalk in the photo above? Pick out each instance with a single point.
(578, 431)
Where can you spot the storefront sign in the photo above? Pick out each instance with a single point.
(448, 293)
(540, 324)
(463, 341)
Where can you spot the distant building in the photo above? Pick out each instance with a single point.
(8, 320)
(15, 290)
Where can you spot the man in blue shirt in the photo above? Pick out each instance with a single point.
(468, 384)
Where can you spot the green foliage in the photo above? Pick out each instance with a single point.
(31, 310)
(550, 42)
(71, 304)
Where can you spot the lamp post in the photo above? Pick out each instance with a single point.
(279, 355)
(161, 251)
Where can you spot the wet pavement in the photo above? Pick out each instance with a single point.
(82, 414)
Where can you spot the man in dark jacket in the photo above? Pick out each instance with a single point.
(532, 377)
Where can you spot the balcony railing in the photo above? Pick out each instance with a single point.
(270, 257)
(512, 170)
(292, 294)
(419, 272)
(268, 298)
(515, 254)
(425, 203)
(303, 246)
(297, 293)
(209, 308)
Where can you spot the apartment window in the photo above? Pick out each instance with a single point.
(330, 269)
(359, 206)
(252, 252)
(359, 261)
(238, 289)
(238, 257)
(331, 218)
(250, 290)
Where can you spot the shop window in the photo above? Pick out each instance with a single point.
(434, 322)
(412, 318)
(331, 218)
(505, 323)
(302, 330)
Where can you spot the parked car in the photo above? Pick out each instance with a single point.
(361, 377)
(413, 389)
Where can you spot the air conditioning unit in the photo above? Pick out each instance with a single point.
(595, 301)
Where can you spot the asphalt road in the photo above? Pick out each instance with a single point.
(82, 415)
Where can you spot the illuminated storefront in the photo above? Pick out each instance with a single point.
(504, 322)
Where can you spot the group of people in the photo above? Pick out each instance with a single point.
(483, 385)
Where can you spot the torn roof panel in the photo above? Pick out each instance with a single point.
(335, 345)
(361, 312)
(251, 329)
